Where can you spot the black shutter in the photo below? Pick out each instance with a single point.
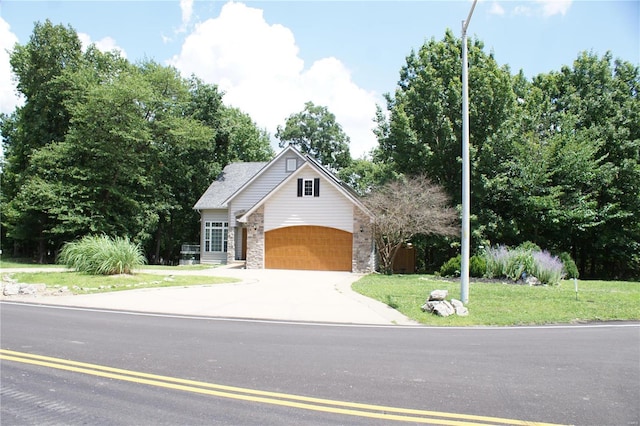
(299, 187)
(316, 187)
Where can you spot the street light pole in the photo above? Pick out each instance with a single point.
(466, 168)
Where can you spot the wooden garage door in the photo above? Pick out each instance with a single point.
(308, 247)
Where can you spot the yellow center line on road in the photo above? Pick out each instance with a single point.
(266, 397)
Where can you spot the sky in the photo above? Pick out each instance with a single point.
(270, 57)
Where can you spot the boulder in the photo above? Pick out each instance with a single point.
(11, 289)
(444, 309)
(531, 281)
(28, 289)
(461, 310)
(438, 295)
(428, 306)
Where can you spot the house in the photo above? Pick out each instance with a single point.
(289, 213)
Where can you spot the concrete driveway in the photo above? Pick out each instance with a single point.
(317, 296)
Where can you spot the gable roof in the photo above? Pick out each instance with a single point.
(237, 176)
(342, 188)
(233, 177)
(289, 149)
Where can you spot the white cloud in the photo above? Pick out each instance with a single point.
(554, 7)
(9, 98)
(105, 44)
(545, 8)
(496, 9)
(186, 6)
(258, 67)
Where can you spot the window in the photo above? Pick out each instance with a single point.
(309, 187)
(215, 236)
(292, 164)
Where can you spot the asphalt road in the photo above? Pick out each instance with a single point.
(567, 375)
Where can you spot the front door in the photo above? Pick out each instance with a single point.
(244, 244)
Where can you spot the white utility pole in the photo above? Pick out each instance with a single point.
(466, 169)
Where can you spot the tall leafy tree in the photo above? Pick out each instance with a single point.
(423, 133)
(51, 50)
(599, 96)
(246, 141)
(127, 152)
(315, 131)
(44, 119)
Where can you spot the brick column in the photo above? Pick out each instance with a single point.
(255, 239)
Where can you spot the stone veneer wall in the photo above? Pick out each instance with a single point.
(255, 239)
(231, 245)
(363, 256)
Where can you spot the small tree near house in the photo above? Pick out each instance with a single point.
(405, 208)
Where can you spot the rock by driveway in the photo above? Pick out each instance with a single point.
(317, 296)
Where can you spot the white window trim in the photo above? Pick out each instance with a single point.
(211, 226)
(304, 187)
(291, 164)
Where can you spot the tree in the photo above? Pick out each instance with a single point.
(39, 65)
(363, 175)
(423, 132)
(598, 96)
(405, 208)
(314, 131)
(104, 146)
(246, 141)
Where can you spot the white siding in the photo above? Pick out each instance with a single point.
(212, 216)
(270, 178)
(331, 208)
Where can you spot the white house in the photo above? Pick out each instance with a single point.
(289, 213)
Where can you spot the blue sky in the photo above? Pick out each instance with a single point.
(271, 57)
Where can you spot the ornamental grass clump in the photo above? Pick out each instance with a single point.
(102, 255)
(516, 264)
(496, 261)
(547, 268)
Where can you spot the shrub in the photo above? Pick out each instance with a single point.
(519, 262)
(102, 255)
(570, 268)
(529, 246)
(451, 267)
(477, 266)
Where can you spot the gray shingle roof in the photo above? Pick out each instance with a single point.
(230, 180)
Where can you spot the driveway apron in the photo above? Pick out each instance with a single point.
(306, 296)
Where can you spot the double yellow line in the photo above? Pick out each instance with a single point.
(265, 397)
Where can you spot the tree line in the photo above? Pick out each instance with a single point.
(102, 145)
(554, 160)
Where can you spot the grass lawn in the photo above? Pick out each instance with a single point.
(23, 263)
(79, 283)
(508, 304)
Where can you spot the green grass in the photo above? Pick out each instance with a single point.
(8, 263)
(23, 263)
(197, 267)
(508, 304)
(80, 283)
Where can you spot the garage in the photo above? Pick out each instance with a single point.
(313, 248)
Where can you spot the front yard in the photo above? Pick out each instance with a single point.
(497, 303)
(80, 283)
